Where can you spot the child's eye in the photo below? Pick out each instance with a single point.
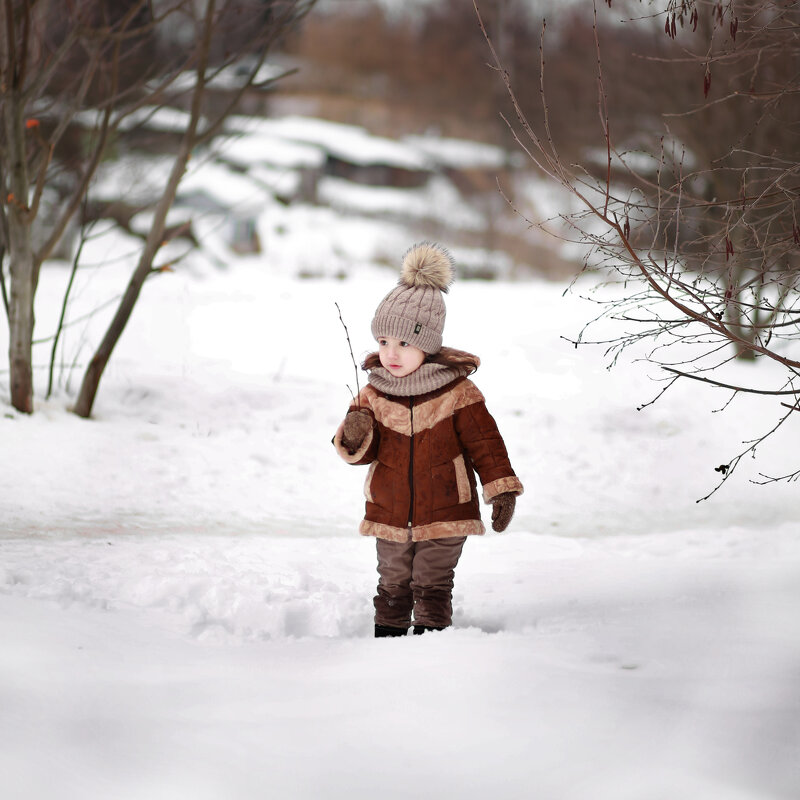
(403, 344)
(381, 342)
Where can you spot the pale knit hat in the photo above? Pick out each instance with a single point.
(414, 312)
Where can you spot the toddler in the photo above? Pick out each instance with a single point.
(423, 428)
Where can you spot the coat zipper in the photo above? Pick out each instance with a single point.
(411, 464)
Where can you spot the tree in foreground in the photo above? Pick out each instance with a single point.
(692, 208)
(71, 74)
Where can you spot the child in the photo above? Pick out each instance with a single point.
(422, 426)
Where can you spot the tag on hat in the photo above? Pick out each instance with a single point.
(418, 327)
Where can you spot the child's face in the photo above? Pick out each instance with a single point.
(400, 358)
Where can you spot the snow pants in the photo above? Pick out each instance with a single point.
(418, 577)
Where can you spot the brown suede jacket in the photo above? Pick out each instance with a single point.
(423, 453)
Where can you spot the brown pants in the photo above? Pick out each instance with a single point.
(417, 576)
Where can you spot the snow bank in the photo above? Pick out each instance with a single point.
(185, 604)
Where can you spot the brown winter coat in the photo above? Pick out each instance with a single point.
(423, 453)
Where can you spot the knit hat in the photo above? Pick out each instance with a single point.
(414, 312)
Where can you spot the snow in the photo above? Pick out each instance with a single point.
(142, 180)
(227, 187)
(185, 604)
(349, 142)
(231, 77)
(460, 153)
(255, 149)
(438, 200)
(297, 141)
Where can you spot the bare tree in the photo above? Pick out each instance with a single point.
(30, 59)
(71, 74)
(696, 216)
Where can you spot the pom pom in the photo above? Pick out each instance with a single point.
(427, 264)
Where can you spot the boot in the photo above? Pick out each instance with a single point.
(388, 630)
(420, 629)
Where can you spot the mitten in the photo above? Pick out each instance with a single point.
(503, 510)
(357, 424)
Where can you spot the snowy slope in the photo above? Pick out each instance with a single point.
(185, 606)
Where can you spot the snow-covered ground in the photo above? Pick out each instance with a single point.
(185, 604)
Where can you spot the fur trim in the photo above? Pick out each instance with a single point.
(422, 533)
(427, 264)
(509, 484)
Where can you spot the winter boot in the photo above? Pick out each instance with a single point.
(420, 629)
(388, 630)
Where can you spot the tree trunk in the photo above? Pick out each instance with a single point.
(737, 277)
(94, 372)
(22, 284)
(20, 316)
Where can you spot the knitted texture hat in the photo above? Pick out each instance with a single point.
(414, 312)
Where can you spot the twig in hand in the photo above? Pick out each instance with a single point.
(352, 357)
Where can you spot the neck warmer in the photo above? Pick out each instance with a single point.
(426, 378)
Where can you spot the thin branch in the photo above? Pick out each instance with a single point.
(602, 107)
(735, 388)
(357, 397)
(658, 396)
(728, 469)
(64, 304)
